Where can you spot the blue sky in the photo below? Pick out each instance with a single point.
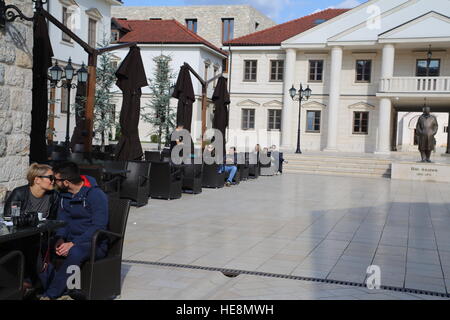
(278, 10)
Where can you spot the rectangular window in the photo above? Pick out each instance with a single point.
(248, 119)
(191, 24)
(316, 70)
(360, 122)
(66, 18)
(250, 67)
(92, 33)
(63, 101)
(216, 70)
(432, 71)
(363, 70)
(276, 70)
(313, 121)
(227, 30)
(446, 129)
(274, 121)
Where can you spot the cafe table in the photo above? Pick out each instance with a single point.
(13, 233)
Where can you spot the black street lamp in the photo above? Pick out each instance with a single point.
(56, 75)
(303, 94)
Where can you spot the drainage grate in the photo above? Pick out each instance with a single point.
(235, 272)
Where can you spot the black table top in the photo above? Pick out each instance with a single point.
(116, 171)
(13, 233)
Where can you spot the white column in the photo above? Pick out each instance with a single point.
(287, 113)
(334, 99)
(384, 115)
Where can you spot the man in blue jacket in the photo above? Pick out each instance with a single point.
(84, 207)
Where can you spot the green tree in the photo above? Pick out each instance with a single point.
(104, 109)
(157, 111)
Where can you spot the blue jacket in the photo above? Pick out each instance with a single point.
(85, 213)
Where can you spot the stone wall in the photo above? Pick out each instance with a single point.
(209, 18)
(16, 51)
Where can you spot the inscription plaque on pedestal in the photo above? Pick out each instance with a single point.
(434, 172)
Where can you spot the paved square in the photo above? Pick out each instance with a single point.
(327, 227)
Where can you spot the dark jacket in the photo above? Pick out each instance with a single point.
(85, 213)
(22, 194)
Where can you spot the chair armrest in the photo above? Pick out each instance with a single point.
(143, 180)
(20, 272)
(109, 234)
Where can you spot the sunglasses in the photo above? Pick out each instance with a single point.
(51, 178)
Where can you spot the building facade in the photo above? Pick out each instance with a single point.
(16, 61)
(216, 24)
(365, 66)
(171, 38)
(91, 21)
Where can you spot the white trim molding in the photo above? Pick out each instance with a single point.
(94, 14)
(361, 106)
(248, 103)
(313, 105)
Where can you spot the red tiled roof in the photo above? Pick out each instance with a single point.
(161, 32)
(279, 33)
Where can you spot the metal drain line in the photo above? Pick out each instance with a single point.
(236, 272)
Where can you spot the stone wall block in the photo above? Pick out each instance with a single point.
(15, 77)
(7, 53)
(2, 74)
(4, 98)
(5, 122)
(18, 144)
(3, 145)
(24, 59)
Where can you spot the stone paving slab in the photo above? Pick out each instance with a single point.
(143, 282)
(304, 225)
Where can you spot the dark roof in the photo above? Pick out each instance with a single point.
(277, 34)
(161, 32)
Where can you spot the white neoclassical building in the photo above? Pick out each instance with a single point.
(368, 68)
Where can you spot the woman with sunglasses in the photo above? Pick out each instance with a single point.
(38, 195)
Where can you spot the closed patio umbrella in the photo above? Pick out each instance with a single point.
(79, 132)
(42, 60)
(221, 99)
(184, 92)
(130, 79)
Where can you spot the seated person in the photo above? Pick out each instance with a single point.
(38, 195)
(229, 165)
(180, 141)
(84, 207)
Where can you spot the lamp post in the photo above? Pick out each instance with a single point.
(303, 94)
(56, 75)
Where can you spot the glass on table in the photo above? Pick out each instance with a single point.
(15, 208)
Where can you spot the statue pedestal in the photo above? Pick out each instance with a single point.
(433, 172)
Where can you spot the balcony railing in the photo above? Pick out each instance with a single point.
(415, 85)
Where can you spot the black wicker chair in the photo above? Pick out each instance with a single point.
(270, 168)
(243, 166)
(211, 176)
(101, 279)
(152, 155)
(166, 180)
(254, 168)
(11, 276)
(135, 186)
(110, 186)
(192, 178)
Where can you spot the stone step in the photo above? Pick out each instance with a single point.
(337, 173)
(343, 164)
(338, 169)
(337, 159)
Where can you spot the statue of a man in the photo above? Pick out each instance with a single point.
(426, 129)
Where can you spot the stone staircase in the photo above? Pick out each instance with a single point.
(325, 164)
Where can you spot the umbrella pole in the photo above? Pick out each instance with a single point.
(90, 101)
(51, 118)
(204, 108)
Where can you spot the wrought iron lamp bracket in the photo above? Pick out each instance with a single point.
(9, 13)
